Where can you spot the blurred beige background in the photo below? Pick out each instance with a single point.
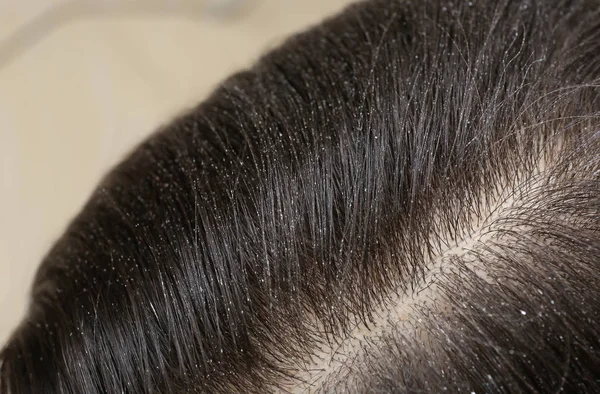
(80, 85)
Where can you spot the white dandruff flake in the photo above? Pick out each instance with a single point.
(523, 313)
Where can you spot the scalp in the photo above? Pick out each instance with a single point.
(371, 206)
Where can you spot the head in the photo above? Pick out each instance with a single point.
(404, 198)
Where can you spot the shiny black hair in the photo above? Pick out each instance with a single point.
(404, 198)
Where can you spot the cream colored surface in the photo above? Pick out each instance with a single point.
(83, 94)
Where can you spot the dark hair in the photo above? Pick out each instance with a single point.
(405, 198)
